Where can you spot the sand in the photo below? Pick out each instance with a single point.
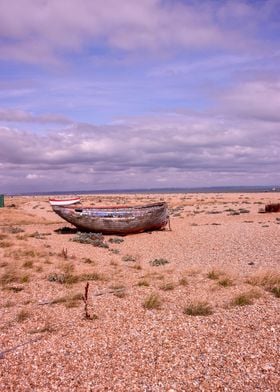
(140, 335)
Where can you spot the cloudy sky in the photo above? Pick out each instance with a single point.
(117, 94)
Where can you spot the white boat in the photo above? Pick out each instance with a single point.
(64, 202)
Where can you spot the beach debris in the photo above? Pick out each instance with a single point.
(273, 207)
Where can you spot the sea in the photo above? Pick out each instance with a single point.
(216, 189)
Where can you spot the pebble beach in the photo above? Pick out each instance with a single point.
(194, 308)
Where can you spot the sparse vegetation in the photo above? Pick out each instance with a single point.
(28, 264)
(46, 328)
(198, 308)
(158, 262)
(12, 274)
(167, 286)
(143, 282)
(225, 282)
(87, 260)
(95, 239)
(266, 279)
(214, 274)
(22, 316)
(183, 281)
(276, 291)
(118, 290)
(63, 278)
(5, 244)
(116, 240)
(153, 301)
(246, 298)
(128, 258)
(114, 251)
(69, 300)
(269, 280)
(91, 276)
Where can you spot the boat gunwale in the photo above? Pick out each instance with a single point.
(151, 205)
(66, 199)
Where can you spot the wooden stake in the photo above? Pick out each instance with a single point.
(85, 298)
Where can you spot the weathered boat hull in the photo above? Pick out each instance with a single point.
(116, 220)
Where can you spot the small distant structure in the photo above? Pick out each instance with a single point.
(2, 201)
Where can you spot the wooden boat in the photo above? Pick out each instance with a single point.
(64, 202)
(116, 220)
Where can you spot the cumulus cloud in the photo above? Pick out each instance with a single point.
(209, 69)
(42, 31)
(178, 150)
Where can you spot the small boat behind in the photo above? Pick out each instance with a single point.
(116, 220)
(64, 202)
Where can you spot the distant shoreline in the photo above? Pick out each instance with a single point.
(227, 189)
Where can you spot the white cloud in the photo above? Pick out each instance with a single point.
(42, 31)
(174, 150)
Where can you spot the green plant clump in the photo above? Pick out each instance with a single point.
(95, 239)
(158, 262)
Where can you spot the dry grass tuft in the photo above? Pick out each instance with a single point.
(143, 282)
(46, 328)
(5, 244)
(22, 315)
(68, 278)
(276, 291)
(153, 301)
(192, 272)
(87, 260)
(12, 274)
(69, 300)
(118, 290)
(269, 280)
(28, 264)
(92, 276)
(198, 308)
(215, 274)
(183, 281)
(137, 266)
(265, 278)
(67, 268)
(225, 282)
(246, 298)
(167, 286)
